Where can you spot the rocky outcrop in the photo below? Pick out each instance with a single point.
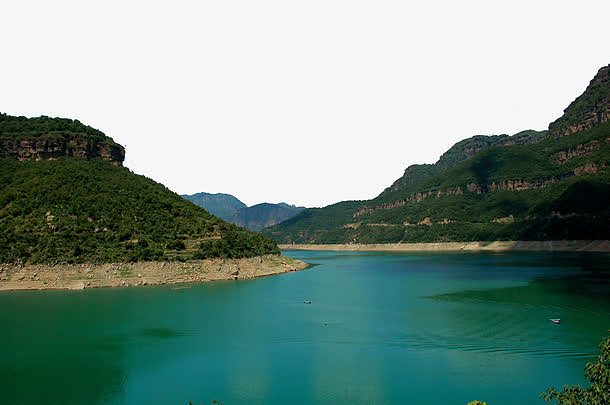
(589, 168)
(522, 185)
(588, 110)
(50, 149)
(477, 188)
(416, 197)
(583, 149)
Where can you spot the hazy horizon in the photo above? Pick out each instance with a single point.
(304, 103)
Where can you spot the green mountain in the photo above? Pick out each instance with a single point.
(222, 205)
(65, 197)
(254, 218)
(530, 186)
(44, 138)
(260, 216)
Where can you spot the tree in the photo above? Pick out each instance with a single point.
(598, 374)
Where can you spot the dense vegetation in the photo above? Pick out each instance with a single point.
(46, 127)
(470, 146)
(532, 185)
(71, 210)
(554, 203)
(598, 375)
(416, 175)
(236, 243)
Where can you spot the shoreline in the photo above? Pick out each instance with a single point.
(599, 246)
(83, 276)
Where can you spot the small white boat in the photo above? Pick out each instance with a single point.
(556, 320)
(306, 302)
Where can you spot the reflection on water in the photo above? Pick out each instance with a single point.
(381, 328)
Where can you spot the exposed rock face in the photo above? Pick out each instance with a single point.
(583, 149)
(589, 168)
(476, 188)
(588, 110)
(426, 221)
(49, 149)
(46, 138)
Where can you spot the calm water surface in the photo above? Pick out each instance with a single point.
(381, 328)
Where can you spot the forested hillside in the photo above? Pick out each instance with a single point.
(57, 206)
(533, 185)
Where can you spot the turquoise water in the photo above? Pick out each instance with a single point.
(381, 328)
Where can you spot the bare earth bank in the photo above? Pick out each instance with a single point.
(499, 246)
(80, 276)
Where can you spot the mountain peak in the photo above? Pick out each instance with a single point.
(590, 109)
(232, 210)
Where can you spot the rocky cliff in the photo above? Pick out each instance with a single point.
(532, 185)
(45, 138)
(46, 149)
(590, 109)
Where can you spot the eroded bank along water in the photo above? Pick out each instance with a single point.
(380, 328)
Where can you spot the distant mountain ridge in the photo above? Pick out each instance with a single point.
(222, 205)
(231, 209)
(534, 185)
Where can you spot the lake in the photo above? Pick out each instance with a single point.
(381, 328)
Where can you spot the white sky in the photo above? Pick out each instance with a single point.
(308, 102)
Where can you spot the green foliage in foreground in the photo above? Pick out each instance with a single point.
(72, 211)
(598, 375)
